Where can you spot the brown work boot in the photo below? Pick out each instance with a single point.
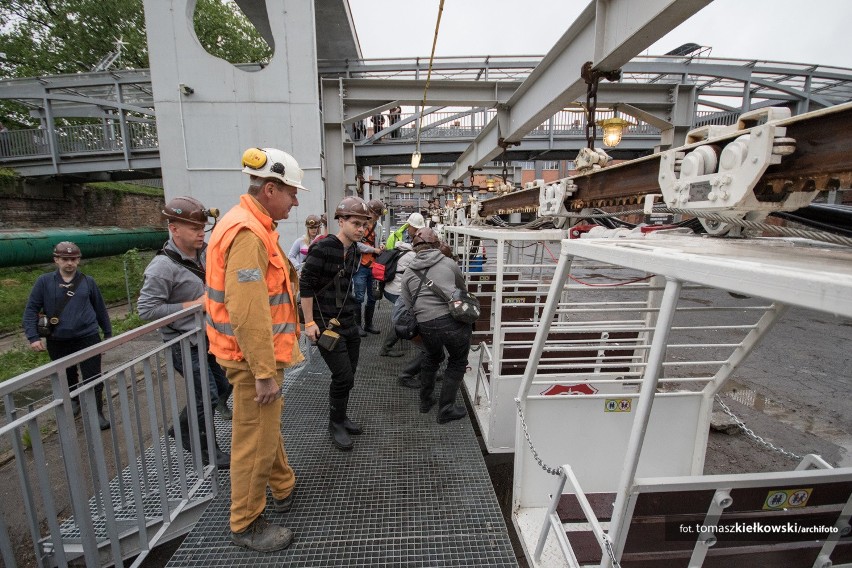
(263, 536)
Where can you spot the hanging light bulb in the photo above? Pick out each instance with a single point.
(415, 159)
(612, 130)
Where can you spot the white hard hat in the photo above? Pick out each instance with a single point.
(272, 163)
(416, 220)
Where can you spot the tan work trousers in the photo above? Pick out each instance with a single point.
(258, 457)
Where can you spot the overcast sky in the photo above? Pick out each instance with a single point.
(798, 31)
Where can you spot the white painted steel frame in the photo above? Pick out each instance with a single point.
(496, 413)
(805, 274)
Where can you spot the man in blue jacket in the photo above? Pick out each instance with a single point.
(76, 309)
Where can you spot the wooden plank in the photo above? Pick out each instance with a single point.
(569, 510)
(789, 555)
(744, 499)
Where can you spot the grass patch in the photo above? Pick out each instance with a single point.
(19, 360)
(109, 273)
(126, 188)
(7, 175)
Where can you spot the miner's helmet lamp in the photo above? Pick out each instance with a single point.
(313, 221)
(377, 207)
(189, 210)
(353, 207)
(66, 249)
(270, 163)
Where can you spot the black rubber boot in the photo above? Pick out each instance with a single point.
(361, 331)
(427, 387)
(99, 403)
(410, 375)
(337, 424)
(369, 312)
(224, 411)
(390, 341)
(183, 421)
(223, 459)
(448, 409)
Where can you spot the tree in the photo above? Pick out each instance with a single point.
(225, 32)
(51, 37)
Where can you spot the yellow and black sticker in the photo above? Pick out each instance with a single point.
(787, 499)
(515, 300)
(617, 405)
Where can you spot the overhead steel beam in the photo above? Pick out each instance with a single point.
(608, 33)
(441, 92)
(822, 161)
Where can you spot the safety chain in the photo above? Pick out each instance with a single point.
(610, 551)
(410, 185)
(750, 433)
(503, 143)
(592, 78)
(472, 171)
(544, 466)
(558, 471)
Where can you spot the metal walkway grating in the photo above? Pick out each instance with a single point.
(411, 493)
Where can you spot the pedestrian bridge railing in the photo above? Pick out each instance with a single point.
(78, 139)
(101, 497)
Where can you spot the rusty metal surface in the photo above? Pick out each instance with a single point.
(822, 161)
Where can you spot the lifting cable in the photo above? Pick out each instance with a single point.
(428, 77)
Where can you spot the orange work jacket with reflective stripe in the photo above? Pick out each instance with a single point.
(367, 258)
(281, 292)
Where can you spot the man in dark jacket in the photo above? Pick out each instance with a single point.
(327, 300)
(74, 304)
(438, 329)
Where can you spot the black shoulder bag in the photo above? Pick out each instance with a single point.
(463, 305)
(406, 324)
(45, 325)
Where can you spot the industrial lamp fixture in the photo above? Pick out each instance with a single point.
(613, 128)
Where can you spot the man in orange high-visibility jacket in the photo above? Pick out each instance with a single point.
(252, 326)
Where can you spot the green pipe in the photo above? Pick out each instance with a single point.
(22, 247)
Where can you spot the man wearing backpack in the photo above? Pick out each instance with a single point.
(392, 287)
(175, 280)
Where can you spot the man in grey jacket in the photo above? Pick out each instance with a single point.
(438, 329)
(174, 280)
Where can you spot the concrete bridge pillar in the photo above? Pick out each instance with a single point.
(208, 111)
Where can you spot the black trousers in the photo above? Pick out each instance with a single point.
(90, 368)
(217, 381)
(342, 361)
